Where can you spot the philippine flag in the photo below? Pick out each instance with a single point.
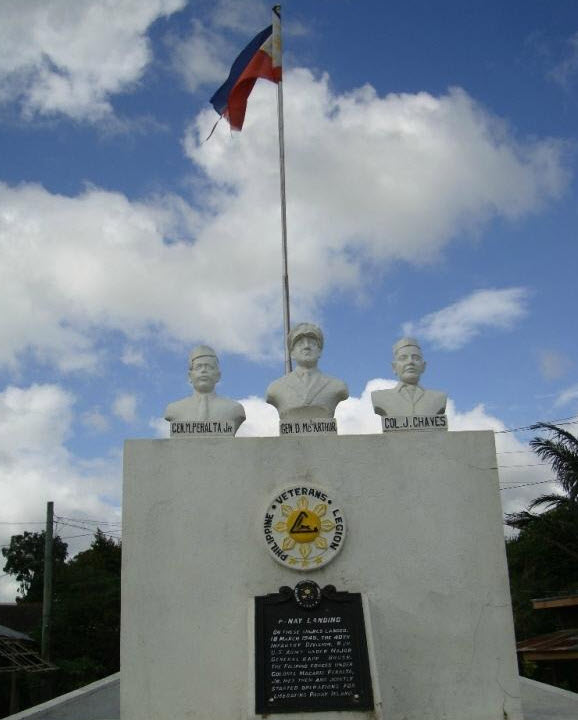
(260, 59)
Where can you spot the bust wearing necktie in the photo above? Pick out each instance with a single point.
(205, 404)
(408, 397)
(306, 392)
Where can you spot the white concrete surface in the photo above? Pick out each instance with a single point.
(546, 702)
(425, 544)
(101, 700)
(98, 701)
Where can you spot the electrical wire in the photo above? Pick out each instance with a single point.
(523, 465)
(514, 487)
(572, 420)
(86, 520)
(91, 530)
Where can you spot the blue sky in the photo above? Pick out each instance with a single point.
(431, 180)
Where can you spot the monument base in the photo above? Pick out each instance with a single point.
(424, 546)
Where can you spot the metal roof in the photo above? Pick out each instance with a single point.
(6, 632)
(555, 601)
(560, 645)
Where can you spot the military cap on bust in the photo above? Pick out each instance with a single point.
(202, 351)
(304, 329)
(405, 342)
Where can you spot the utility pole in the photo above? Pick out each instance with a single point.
(47, 593)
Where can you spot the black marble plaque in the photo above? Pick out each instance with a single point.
(311, 651)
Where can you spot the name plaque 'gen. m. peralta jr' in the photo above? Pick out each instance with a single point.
(204, 412)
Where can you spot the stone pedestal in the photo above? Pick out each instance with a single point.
(424, 545)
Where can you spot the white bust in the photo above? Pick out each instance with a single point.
(205, 404)
(306, 392)
(408, 397)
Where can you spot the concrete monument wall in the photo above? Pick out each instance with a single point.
(424, 543)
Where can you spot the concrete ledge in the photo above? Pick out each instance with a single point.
(101, 701)
(98, 701)
(546, 702)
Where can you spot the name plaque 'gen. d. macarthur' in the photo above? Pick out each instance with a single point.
(204, 412)
(306, 393)
(408, 406)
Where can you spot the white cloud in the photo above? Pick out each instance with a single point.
(95, 421)
(124, 407)
(204, 57)
(199, 58)
(243, 16)
(384, 178)
(36, 466)
(566, 71)
(160, 426)
(262, 419)
(554, 365)
(34, 419)
(454, 326)
(132, 356)
(58, 56)
(567, 396)
(70, 266)
(164, 269)
(355, 415)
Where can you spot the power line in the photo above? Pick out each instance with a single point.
(523, 465)
(91, 530)
(86, 520)
(82, 526)
(572, 420)
(513, 452)
(514, 487)
(79, 526)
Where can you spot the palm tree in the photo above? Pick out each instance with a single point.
(556, 526)
(561, 451)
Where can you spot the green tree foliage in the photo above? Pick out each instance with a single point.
(85, 609)
(25, 560)
(561, 451)
(86, 622)
(543, 558)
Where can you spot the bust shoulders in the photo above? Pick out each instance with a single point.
(318, 398)
(393, 401)
(186, 408)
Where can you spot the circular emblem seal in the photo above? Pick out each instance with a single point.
(307, 594)
(304, 527)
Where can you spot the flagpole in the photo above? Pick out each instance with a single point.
(285, 270)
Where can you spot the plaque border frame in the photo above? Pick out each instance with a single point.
(327, 713)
